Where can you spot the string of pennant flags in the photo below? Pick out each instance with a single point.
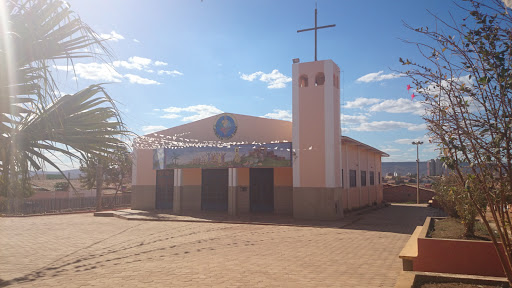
(156, 141)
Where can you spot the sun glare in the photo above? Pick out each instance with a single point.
(6, 47)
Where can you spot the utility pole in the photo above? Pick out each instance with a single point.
(417, 143)
(99, 186)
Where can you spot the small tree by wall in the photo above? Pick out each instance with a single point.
(455, 201)
(61, 186)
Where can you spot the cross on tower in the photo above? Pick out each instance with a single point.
(316, 29)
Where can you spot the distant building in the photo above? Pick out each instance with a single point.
(431, 167)
(439, 167)
(435, 167)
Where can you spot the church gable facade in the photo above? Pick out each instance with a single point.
(240, 164)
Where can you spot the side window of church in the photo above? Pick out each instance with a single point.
(342, 179)
(372, 178)
(352, 178)
(363, 178)
(379, 177)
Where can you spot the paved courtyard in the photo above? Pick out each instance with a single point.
(82, 250)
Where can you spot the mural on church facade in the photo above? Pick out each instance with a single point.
(249, 155)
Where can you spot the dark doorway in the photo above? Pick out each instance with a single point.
(262, 189)
(214, 189)
(164, 189)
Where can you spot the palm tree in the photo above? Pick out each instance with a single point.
(35, 121)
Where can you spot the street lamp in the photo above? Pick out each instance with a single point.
(417, 143)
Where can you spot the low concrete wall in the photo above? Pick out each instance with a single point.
(456, 256)
(191, 198)
(283, 200)
(143, 197)
(317, 203)
(406, 193)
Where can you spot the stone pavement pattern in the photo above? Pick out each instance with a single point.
(84, 251)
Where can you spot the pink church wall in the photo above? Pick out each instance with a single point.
(318, 109)
(312, 136)
(337, 155)
(144, 165)
(359, 158)
(249, 129)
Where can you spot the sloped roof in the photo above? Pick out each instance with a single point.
(346, 139)
(249, 129)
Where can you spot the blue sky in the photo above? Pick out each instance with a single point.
(180, 61)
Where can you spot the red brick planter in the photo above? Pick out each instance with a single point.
(454, 256)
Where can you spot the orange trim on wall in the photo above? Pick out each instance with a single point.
(191, 176)
(283, 176)
(243, 176)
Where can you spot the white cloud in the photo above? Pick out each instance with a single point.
(134, 62)
(112, 36)
(136, 41)
(353, 119)
(400, 105)
(387, 125)
(279, 114)
(424, 138)
(390, 150)
(93, 71)
(172, 73)
(435, 89)
(151, 129)
(378, 76)
(170, 116)
(135, 79)
(198, 112)
(252, 76)
(362, 102)
(275, 79)
(141, 63)
(418, 127)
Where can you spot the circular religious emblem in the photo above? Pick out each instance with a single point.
(225, 127)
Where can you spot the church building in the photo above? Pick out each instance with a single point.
(239, 164)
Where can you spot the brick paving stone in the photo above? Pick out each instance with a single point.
(84, 251)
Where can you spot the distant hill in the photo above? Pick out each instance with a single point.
(72, 174)
(402, 168)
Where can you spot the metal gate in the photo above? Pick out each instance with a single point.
(261, 190)
(164, 189)
(214, 189)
